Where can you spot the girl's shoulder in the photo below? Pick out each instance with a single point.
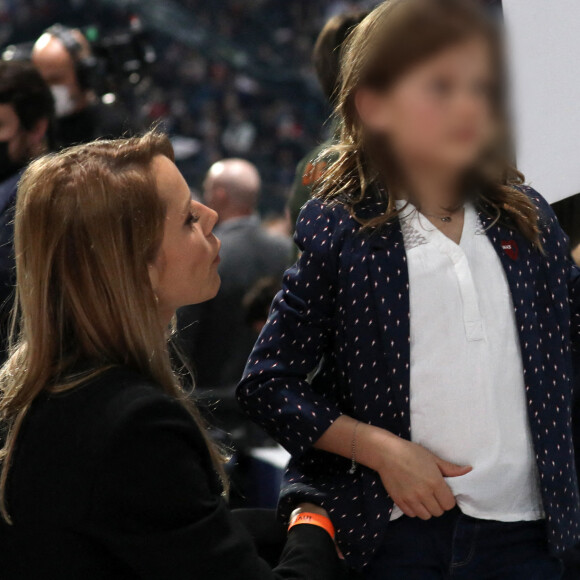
(322, 228)
(327, 226)
(324, 219)
(318, 210)
(340, 214)
(547, 217)
(553, 238)
(537, 199)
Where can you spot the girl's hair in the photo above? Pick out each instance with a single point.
(392, 39)
(88, 222)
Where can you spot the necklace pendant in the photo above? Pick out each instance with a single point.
(446, 219)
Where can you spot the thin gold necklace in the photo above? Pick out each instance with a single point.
(446, 218)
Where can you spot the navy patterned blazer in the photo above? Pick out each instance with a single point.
(337, 342)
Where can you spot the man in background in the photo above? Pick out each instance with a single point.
(326, 59)
(64, 58)
(215, 335)
(26, 109)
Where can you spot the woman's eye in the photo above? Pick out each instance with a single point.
(192, 219)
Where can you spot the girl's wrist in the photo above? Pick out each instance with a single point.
(374, 445)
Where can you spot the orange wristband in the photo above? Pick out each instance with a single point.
(314, 520)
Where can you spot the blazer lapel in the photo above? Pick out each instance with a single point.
(521, 263)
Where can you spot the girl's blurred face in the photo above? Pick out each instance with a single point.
(440, 113)
(185, 270)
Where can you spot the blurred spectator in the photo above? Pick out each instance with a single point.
(326, 58)
(258, 300)
(26, 109)
(231, 76)
(216, 335)
(239, 135)
(278, 225)
(63, 57)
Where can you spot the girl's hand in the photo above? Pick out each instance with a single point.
(413, 477)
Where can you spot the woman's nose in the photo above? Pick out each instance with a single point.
(210, 219)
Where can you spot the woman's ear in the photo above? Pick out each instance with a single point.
(373, 109)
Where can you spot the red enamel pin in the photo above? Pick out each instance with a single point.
(511, 249)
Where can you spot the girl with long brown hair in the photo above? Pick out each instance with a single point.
(106, 468)
(417, 363)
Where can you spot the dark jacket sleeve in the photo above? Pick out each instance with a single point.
(275, 391)
(156, 507)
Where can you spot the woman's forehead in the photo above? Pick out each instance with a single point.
(171, 184)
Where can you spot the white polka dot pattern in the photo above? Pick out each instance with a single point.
(344, 313)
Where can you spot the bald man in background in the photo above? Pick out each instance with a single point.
(215, 334)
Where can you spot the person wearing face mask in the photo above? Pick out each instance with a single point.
(26, 110)
(63, 57)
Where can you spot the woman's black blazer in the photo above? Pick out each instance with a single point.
(113, 480)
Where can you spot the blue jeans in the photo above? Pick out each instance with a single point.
(458, 547)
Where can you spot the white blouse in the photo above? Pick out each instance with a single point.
(468, 402)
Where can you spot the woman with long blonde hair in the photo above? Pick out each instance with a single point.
(106, 469)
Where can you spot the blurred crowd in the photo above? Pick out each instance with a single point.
(234, 80)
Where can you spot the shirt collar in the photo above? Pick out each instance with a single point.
(410, 216)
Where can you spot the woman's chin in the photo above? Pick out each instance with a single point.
(217, 284)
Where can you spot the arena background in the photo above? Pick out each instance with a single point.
(230, 77)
